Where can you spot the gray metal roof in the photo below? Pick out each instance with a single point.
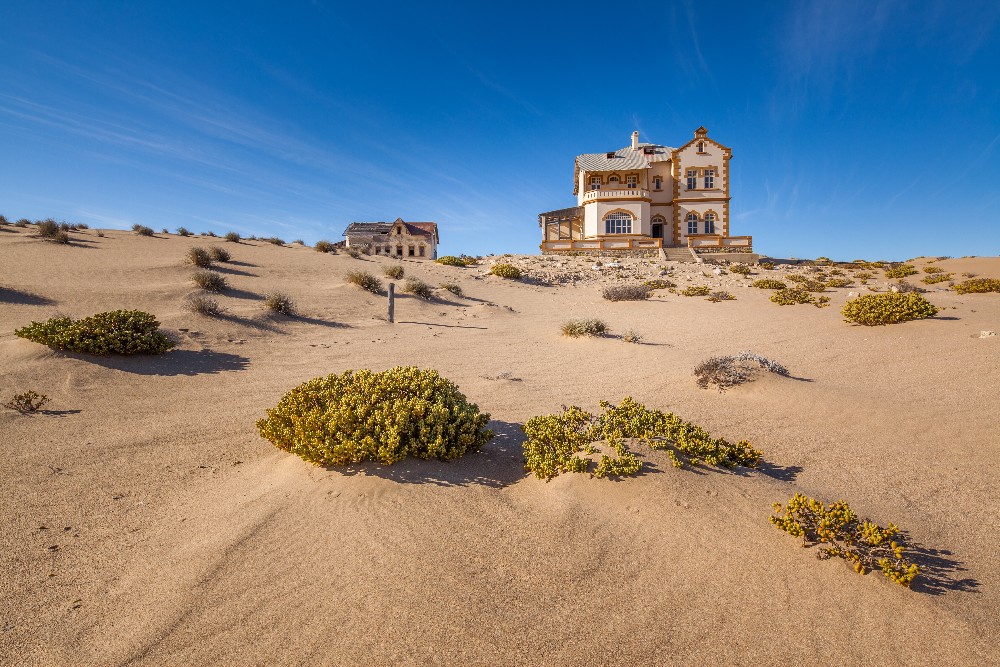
(625, 158)
(368, 228)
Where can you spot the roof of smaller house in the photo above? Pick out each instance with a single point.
(624, 158)
(372, 229)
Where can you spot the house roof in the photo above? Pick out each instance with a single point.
(624, 158)
(373, 229)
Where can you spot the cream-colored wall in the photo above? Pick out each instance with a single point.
(666, 194)
(689, 158)
(594, 212)
(701, 208)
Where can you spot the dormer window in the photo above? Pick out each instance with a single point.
(648, 150)
(610, 155)
(595, 182)
(631, 182)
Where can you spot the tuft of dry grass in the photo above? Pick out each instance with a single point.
(279, 302)
(454, 288)
(584, 327)
(199, 257)
(210, 281)
(203, 305)
(418, 288)
(364, 280)
(626, 292)
(219, 254)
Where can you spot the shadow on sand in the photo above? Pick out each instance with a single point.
(939, 572)
(500, 463)
(175, 362)
(11, 295)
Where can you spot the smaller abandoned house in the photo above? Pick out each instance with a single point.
(416, 240)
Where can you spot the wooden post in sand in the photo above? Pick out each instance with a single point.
(392, 302)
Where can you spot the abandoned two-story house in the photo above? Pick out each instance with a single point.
(417, 240)
(646, 197)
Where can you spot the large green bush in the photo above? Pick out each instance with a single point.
(888, 308)
(555, 442)
(376, 416)
(114, 332)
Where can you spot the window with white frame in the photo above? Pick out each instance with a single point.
(692, 175)
(595, 182)
(631, 182)
(658, 183)
(701, 146)
(618, 222)
(614, 180)
(709, 223)
(692, 220)
(709, 178)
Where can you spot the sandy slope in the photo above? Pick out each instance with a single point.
(181, 537)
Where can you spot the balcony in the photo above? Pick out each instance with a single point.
(627, 193)
(602, 243)
(719, 243)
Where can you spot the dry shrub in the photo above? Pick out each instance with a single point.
(418, 288)
(394, 271)
(364, 280)
(182, 231)
(219, 254)
(27, 402)
(279, 302)
(232, 237)
(142, 230)
(210, 281)
(733, 370)
(354, 252)
(47, 229)
(203, 305)
(325, 246)
(199, 257)
(454, 288)
(631, 336)
(626, 292)
(721, 295)
(659, 283)
(584, 327)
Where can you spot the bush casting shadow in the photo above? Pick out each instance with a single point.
(500, 463)
(175, 362)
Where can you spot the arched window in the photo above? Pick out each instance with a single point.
(709, 223)
(618, 222)
(658, 220)
(692, 220)
(613, 179)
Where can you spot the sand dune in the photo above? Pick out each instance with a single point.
(146, 522)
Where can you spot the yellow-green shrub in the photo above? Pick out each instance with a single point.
(508, 271)
(114, 332)
(839, 282)
(933, 269)
(791, 296)
(659, 283)
(796, 278)
(555, 442)
(451, 260)
(935, 278)
(696, 290)
(376, 416)
(900, 271)
(768, 283)
(837, 527)
(888, 308)
(742, 269)
(767, 265)
(977, 286)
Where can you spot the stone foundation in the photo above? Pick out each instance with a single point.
(605, 253)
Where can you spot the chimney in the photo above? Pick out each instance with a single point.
(635, 140)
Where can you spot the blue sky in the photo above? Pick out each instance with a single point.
(859, 129)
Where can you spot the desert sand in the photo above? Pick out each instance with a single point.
(145, 522)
